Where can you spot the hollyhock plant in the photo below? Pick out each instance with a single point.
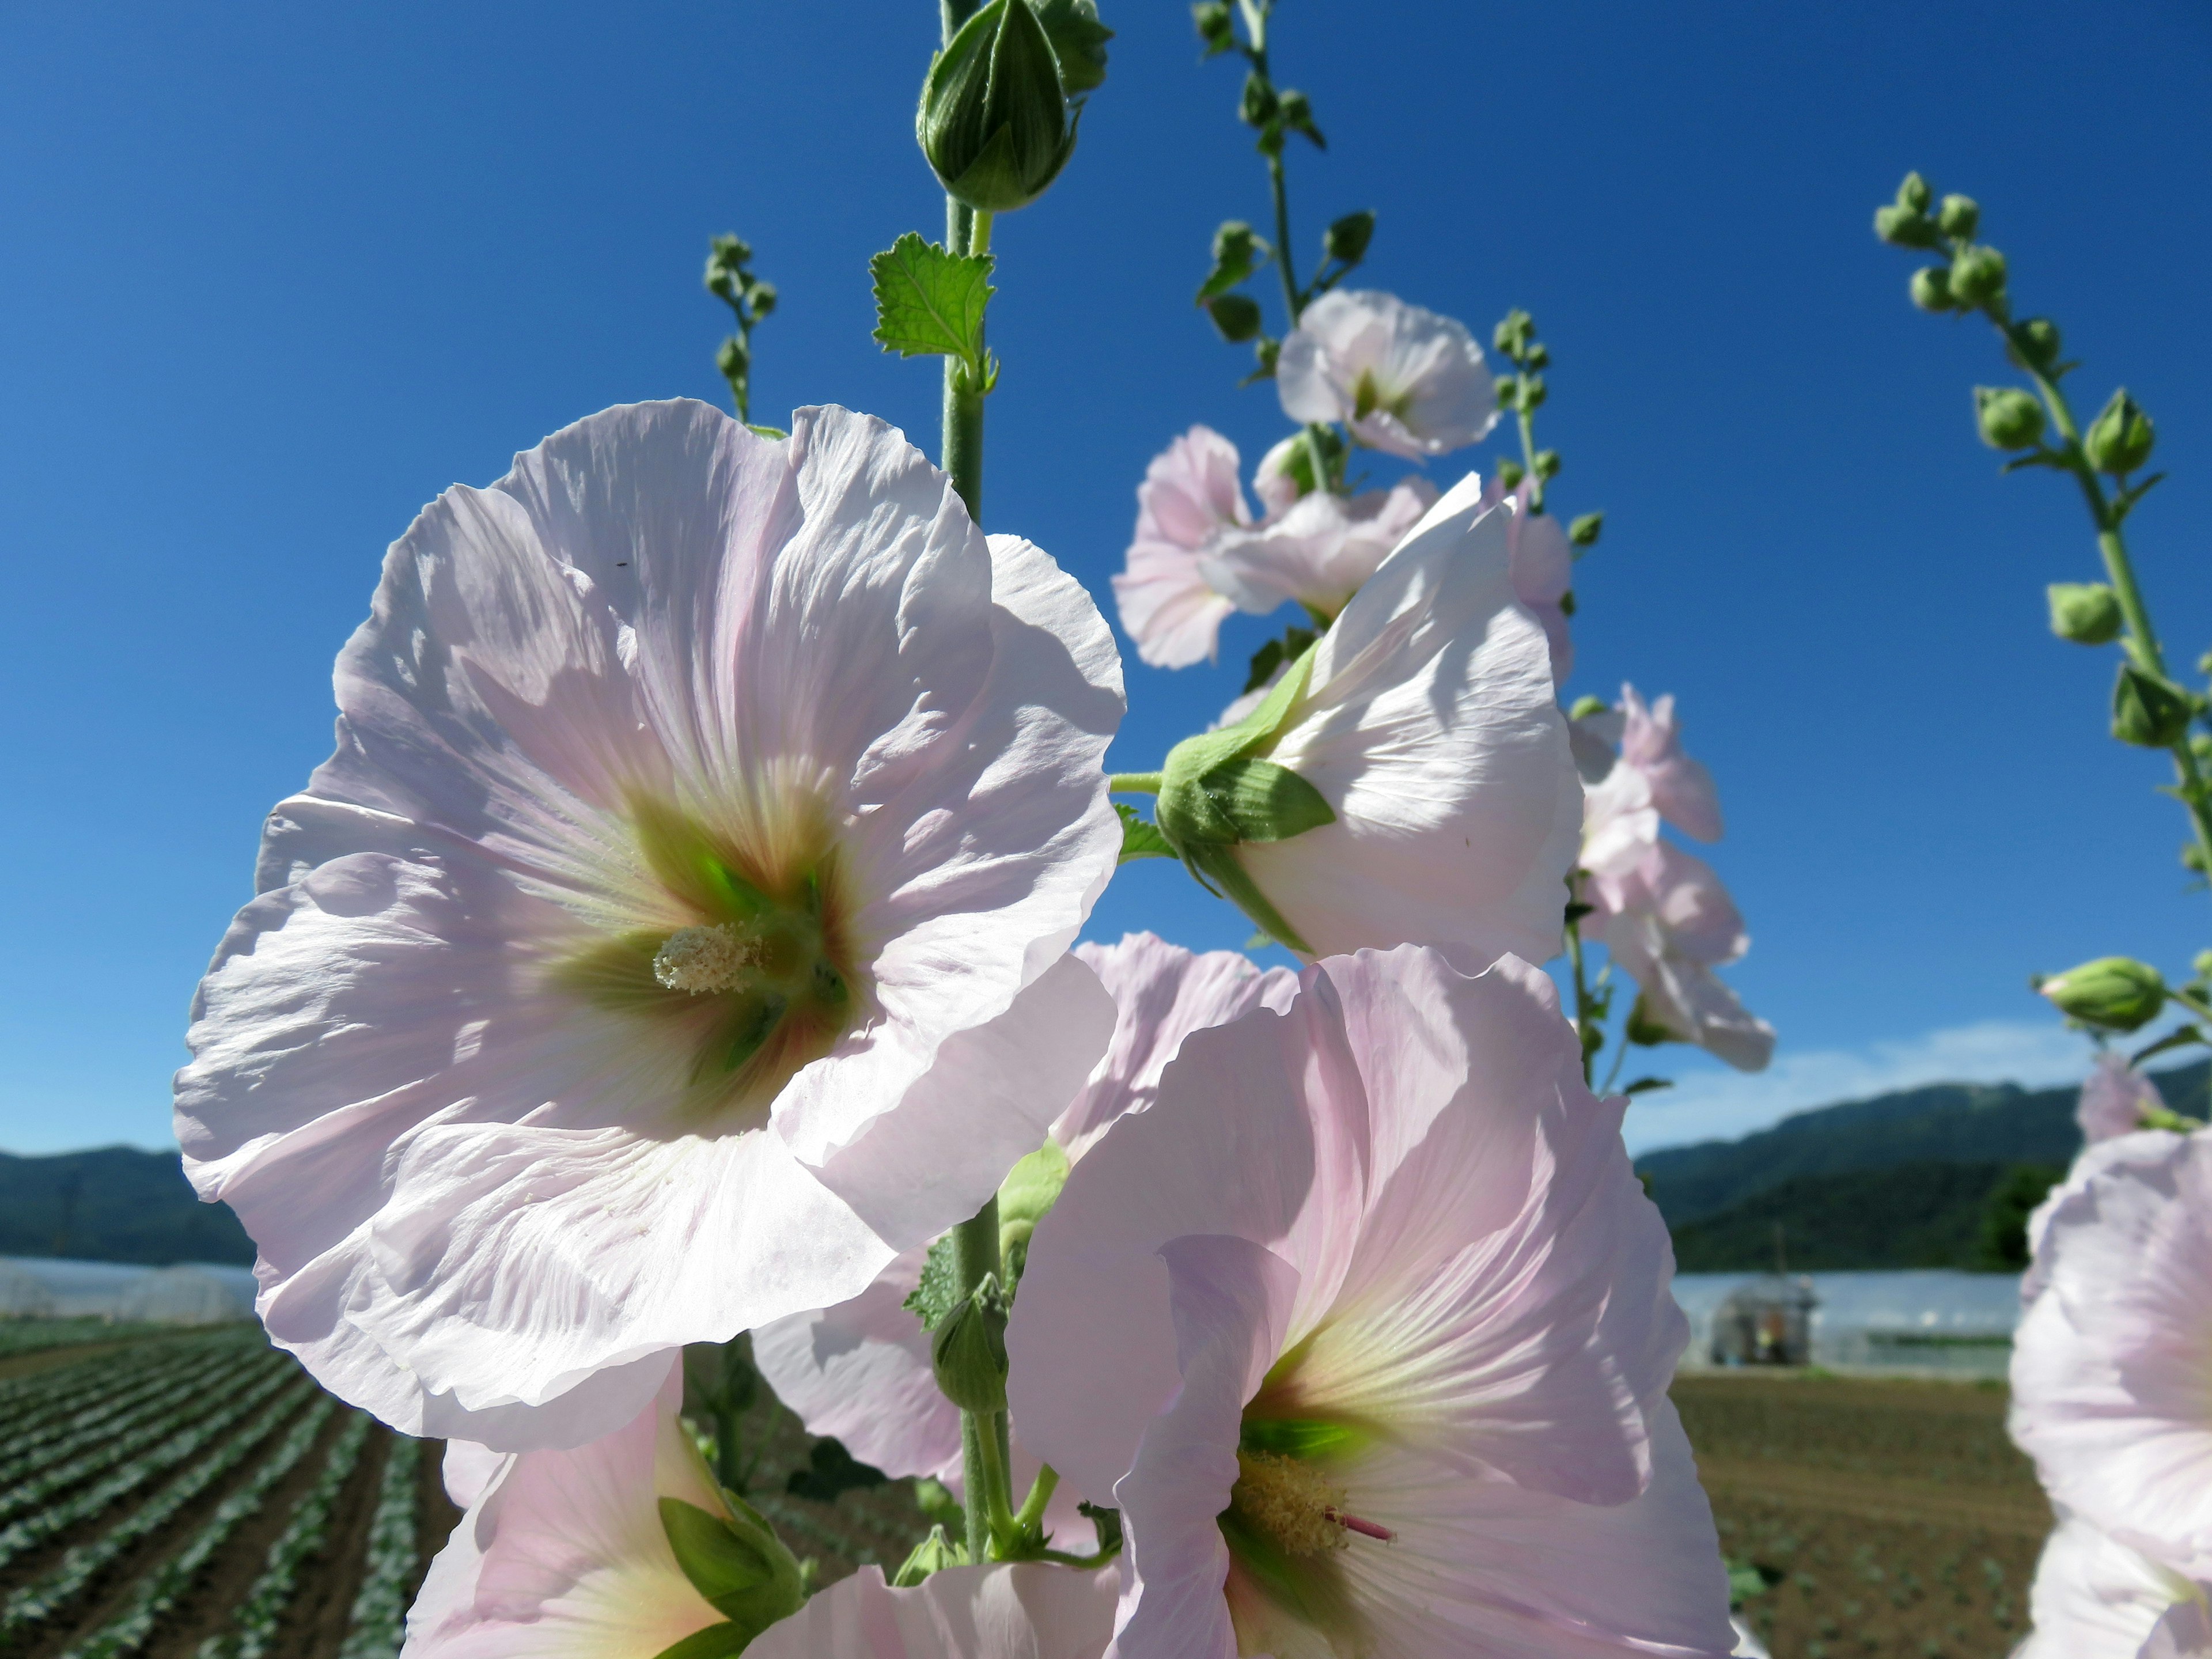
(1191, 493)
(678, 931)
(1681, 788)
(2114, 1098)
(1543, 568)
(1668, 923)
(2111, 1368)
(1320, 552)
(1401, 379)
(860, 1370)
(2094, 1598)
(1366, 1324)
(1019, 1611)
(1424, 722)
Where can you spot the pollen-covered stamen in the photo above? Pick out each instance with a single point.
(1289, 1500)
(703, 959)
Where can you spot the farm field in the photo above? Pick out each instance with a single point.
(1886, 1518)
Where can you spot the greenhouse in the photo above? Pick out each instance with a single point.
(21, 1295)
(189, 1293)
(1931, 1320)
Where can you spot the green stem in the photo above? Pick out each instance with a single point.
(1086, 1562)
(975, 1257)
(1529, 461)
(962, 455)
(1134, 783)
(1031, 1517)
(1584, 1006)
(1291, 298)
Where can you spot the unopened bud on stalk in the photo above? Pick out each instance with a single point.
(2114, 994)
(1914, 194)
(1902, 228)
(2034, 343)
(994, 120)
(2088, 613)
(1346, 241)
(2147, 711)
(2121, 437)
(1958, 215)
(1583, 532)
(934, 1554)
(1932, 288)
(2009, 417)
(1977, 274)
(967, 1351)
(1214, 28)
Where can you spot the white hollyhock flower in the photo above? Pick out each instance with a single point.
(1190, 494)
(1424, 720)
(1025, 1611)
(678, 931)
(1402, 380)
(2094, 1598)
(1320, 552)
(1667, 921)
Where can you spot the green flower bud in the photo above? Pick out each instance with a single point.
(1932, 288)
(2120, 439)
(1913, 194)
(1539, 356)
(2201, 963)
(967, 1351)
(1237, 315)
(1513, 333)
(2009, 417)
(733, 359)
(1902, 228)
(1213, 25)
(1027, 1195)
(737, 1563)
(2147, 711)
(1583, 531)
(934, 1554)
(1346, 241)
(2034, 343)
(1587, 705)
(1258, 104)
(1532, 391)
(2088, 613)
(1509, 393)
(1977, 274)
(994, 120)
(1297, 116)
(1510, 472)
(1548, 463)
(1958, 215)
(2114, 994)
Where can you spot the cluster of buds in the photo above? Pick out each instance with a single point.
(730, 279)
(1523, 393)
(1001, 102)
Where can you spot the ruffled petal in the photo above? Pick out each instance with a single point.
(1028, 1611)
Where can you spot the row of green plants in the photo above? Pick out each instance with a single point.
(255, 1621)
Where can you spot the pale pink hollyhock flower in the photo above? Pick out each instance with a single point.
(1681, 788)
(1191, 493)
(2094, 1598)
(1428, 725)
(1028, 1611)
(563, 1554)
(860, 1370)
(1320, 552)
(2111, 1366)
(1667, 921)
(1543, 570)
(1401, 379)
(2114, 1097)
(679, 930)
(1365, 1323)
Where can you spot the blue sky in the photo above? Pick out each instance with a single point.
(274, 275)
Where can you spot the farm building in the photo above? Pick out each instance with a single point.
(189, 1293)
(1920, 1320)
(1766, 1321)
(21, 1295)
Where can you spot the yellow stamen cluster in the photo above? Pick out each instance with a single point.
(1290, 1501)
(703, 959)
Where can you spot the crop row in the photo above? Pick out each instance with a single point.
(42, 1599)
(253, 1623)
(27, 1401)
(29, 1336)
(157, 1593)
(155, 1397)
(378, 1619)
(38, 1526)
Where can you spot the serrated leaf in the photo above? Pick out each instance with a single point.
(930, 303)
(938, 1292)
(1139, 839)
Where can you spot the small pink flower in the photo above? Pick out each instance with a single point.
(2111, 1369)
(1667, 921)
(1365, 1323)
(1681, 788)
(1190, 494)
(1401, 379)
(2114, 1097)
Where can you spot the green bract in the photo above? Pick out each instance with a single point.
(2120, 439)
(995, 121)
(2088, 613)
(2148, 711)
(738, 1565)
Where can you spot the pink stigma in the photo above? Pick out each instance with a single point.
(1365, 1528)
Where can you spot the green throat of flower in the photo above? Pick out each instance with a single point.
(1287, 1527)
(758, 979)
(1367, 399)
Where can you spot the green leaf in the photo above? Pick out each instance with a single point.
(716, 1642)
(938, 1291)
(1294, 644)
(1644, 1085)
(1239, 251)
(1140, 838)
(1236, 317)
(931, 303)
(1264, 801)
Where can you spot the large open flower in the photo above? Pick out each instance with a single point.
(2094, 1598)
(861, 1370)
(2111, 1368)
(1191, 493)
(1426, 722)
(679, 930)
(1401, 379)
(1668, 923)
(1365, 1323)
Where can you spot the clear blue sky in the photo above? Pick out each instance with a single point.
(270, 276)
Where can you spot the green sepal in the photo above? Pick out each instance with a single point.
(1262, 801)
(1239, 251)
(1216, 866)
(716, 1642)
(1645, 1030)
(1644, 1085)
(738, 1564)
(929, 302)
(938, 1292)
(1078, 43)
(1028, 1192)
(934, 1554)
(1141, 838)
(2147, 710)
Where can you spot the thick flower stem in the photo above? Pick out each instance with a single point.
(982, 1435)
(1585, 1005)
(962, 452)
(1134, 783)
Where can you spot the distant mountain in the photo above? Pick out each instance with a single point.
(1946, 1124)
(1909, 1215)
(113, 1204)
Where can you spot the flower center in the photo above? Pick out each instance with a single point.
(1289, 1500)
(1367, 396)
(700, 960)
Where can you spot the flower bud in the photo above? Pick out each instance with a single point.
(2088, 613)
(2119, 439)
(1211, 18)
(1346, 241)
(1914, 194)
(1546, 462)
(1237, 315)
(1977, 274)
(2147, 711)
(737, 1563)
(1513, 333)
(2033, 344)
(1510, 472)
(967, 1351)
(1583, 532)
(934, 1554)
(994, 120)
(1932, 288)
(1585, 706)
(1902, 228)
(1258, 105)
(2114, 994)
(2009, 417)
(1958, 215)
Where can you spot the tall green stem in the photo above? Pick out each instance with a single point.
(1291, 298)
(1585, 1005)
(982, 1437)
